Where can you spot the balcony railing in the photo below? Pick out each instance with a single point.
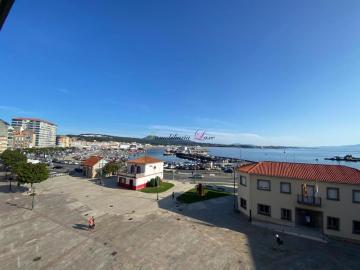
(131, 175)
(309, 200)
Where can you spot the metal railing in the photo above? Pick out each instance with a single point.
(309, 200)
(132, 175)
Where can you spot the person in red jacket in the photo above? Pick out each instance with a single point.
(91, 223)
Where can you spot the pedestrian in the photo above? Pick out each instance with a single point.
(173, 195)
(279, 241)
(90, 223)
(93, 222)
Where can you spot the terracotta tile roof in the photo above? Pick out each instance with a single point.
(303, 171)
(91, 161)
(145, 160)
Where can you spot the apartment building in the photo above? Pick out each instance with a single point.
(10, 137)
(23, 139)
(63, 141)
(322, 197)
(45, 131)
(4, 134)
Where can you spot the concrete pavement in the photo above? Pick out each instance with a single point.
(134, 231)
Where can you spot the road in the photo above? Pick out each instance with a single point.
(209, 177)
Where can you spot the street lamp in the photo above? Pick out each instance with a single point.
(234, 187)
(157, 191)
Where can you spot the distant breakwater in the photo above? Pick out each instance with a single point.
(210, 158)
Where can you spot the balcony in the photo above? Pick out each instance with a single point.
(131, 175)
(309, 200)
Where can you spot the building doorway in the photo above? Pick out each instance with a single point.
(309, 218)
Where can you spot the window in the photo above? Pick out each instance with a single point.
(333, 223)
(286, 214)
(242, 180)
(263, 184)
(264, 210)
(356, 227)
(332, 194)
(356, 196)
(243, 203)
(285, 187)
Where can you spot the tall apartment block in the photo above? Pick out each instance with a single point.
(45, 131)
(4, 133)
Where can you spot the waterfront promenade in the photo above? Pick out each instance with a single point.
(134, 231)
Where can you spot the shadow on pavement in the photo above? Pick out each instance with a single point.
(80, 227)
(107, 182)
(14, 188)
(296, 253)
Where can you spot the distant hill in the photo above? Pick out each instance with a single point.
(154, 140)
(90, 137)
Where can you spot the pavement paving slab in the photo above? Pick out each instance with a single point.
(135, 231)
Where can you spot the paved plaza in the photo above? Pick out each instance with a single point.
(135, 231)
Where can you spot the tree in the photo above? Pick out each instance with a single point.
(157, 181)
(11, 159)
(154, 182)
(151, 183)
(111, 168)
(31, 174)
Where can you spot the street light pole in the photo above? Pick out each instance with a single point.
(157, 190)
(234, 188)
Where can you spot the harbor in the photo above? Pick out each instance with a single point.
(315, 155)
(348, 158)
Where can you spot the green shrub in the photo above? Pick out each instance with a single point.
(157, 181)
(151, 183)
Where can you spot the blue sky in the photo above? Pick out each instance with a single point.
(260, 72)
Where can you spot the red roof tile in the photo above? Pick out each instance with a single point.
(145, 160)
(91, 161)
(303, 171)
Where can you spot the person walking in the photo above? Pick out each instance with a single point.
(173, 195)
(90, 223)
(279, 241)
(93, 222)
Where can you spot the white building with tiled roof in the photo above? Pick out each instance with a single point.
(140, 171)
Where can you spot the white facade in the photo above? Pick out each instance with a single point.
(3, 135)
(139, 173)
(45, 132)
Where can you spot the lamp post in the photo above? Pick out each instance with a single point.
(157, 191)
(234, 187)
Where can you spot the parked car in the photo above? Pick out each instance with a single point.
(197, 176)
(228, 170)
